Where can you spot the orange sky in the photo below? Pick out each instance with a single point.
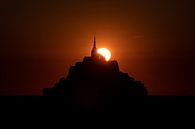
(152, 41)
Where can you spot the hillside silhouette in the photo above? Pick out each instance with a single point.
(96, 84)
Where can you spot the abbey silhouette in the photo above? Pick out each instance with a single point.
(96, 84)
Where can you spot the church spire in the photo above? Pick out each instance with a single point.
(94, 43)
(94, 50)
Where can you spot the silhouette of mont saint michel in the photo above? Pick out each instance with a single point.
(96, 84)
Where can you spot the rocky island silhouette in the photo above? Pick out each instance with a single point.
(96, 84)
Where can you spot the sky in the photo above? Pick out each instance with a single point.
(153, 41)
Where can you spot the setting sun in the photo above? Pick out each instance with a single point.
(105, 52)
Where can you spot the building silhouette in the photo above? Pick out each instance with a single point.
(96, 84)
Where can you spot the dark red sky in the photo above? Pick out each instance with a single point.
(152, 40)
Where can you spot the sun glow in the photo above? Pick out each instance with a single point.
(105, 52)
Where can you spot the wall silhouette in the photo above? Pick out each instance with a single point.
(95, 84)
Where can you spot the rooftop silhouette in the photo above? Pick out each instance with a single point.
(96, 84)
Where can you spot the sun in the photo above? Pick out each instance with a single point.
(105, 52)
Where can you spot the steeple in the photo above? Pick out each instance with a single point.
(94, 50)
(94, 43)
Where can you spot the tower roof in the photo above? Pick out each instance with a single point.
(94, 49)
(94, 43)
